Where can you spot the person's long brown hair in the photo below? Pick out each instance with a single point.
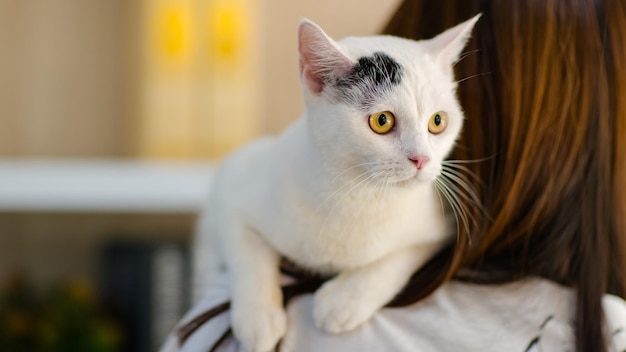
(543, 85)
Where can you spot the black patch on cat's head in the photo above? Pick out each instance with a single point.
(369, 77)
(379, 68)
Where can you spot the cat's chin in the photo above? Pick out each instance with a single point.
(416, 180)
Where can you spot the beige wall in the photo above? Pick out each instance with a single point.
(69, 69)
(63, 77)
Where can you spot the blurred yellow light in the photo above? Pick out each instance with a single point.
(173, 31)
(201, 62)
(228, 29)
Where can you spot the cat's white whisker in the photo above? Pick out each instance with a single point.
(460, 180)
(371, 176)
(455, 181)
(463, 211)
(464, 55)
(469, 172)
(351, 168)
(467, 161)
(347, 184)
(441, 188)
(364, 204)
(471, 195)
(457, 206)
(473, 76)
(440, 200)
(457, 192)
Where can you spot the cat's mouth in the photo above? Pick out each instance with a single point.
(405, 174)
(416, 177)
(424, 176)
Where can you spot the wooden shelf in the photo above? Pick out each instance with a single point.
(103, 185)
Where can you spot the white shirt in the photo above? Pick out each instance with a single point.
(525, 316)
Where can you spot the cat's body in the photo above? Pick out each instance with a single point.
(315, 228)
(330, 193)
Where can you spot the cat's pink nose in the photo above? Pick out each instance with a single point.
(419, 161)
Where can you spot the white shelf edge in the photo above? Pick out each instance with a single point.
(103, 185)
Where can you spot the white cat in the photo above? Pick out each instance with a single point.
(347, 189)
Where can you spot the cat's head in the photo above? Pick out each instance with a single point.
(383, 105)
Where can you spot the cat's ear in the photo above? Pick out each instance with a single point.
(448, 45)
(321, 58)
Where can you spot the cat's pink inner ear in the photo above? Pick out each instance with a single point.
(448, 45)
(320, 57)
(313, 80)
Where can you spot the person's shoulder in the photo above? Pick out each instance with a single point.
(202, 336)
(615, 309)
(615, 313)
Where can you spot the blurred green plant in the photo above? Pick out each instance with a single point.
(66, 319)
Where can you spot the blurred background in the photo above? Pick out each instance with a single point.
(113, 114)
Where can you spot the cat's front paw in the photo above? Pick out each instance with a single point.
(258, 328)
(340, 307)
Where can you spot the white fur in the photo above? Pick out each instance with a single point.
(333, 196)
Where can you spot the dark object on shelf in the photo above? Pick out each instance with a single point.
(147, 287)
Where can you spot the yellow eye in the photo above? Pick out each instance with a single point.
(382, 122)
(438, 122)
